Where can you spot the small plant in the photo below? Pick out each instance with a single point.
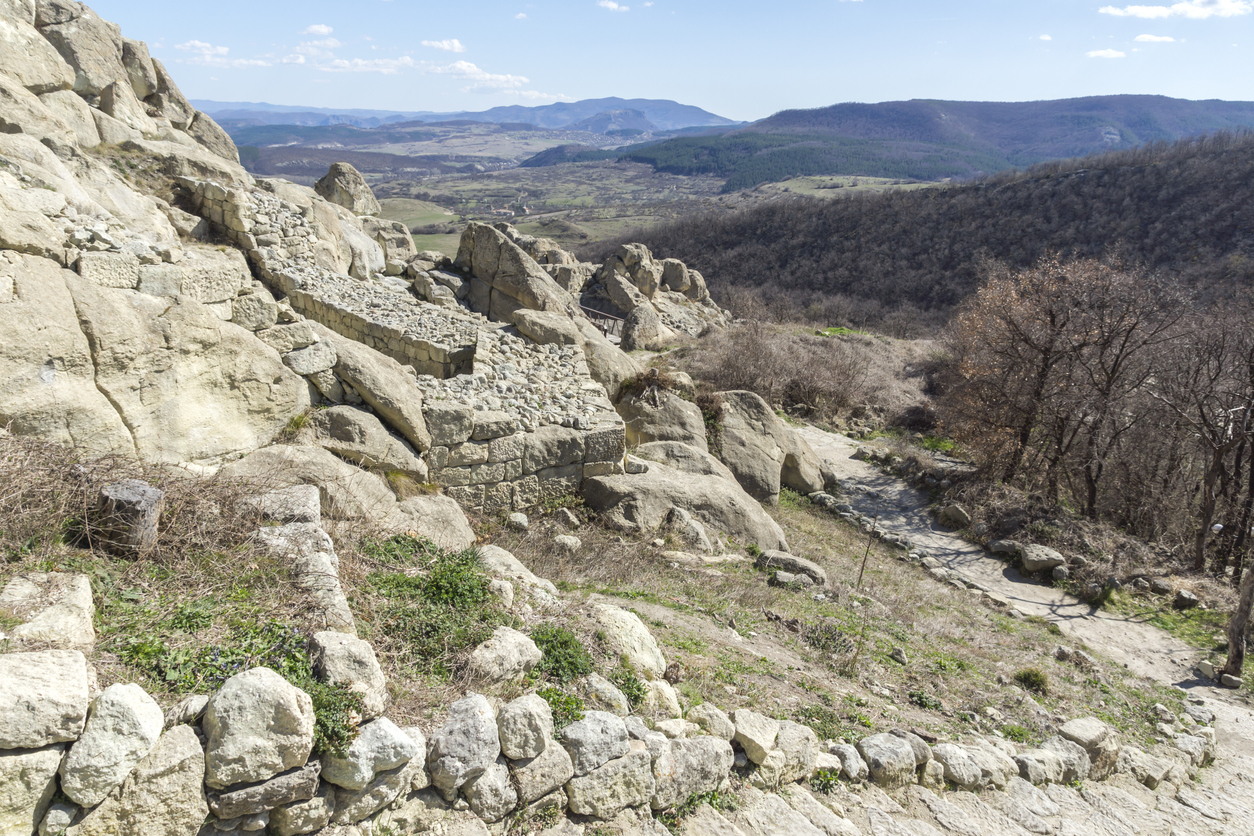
(565, 657)
(1033, 679)
(294, 425)
(566, 708)
(825, 780)
(789, 498)
(825, 722)
(673, 819)
(1017, 733)
(625, 679)
(754, 550)
(925, 700)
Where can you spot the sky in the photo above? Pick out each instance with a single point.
(742, 59)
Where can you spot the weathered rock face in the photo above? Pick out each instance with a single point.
(343, 185)
(465, 746)
(615, 785)
(508, 655)
(689, 767)
(257, 725)
(525, 726)
(889, 758)
(379, 746)
(163, 796)
(28, 780)
(658, 415)
(339, 658)
(122, 728)
(596, 739)
(359, 437)
(642, 502)
(43, 698)
(54, 609)
(627, 636)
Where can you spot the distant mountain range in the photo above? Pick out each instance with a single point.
(932, 140)
(660, 114)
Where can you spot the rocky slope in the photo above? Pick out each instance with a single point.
(160, 304)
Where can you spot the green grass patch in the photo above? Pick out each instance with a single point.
(825, 780)
(1017, 733)
(567, 708)
(838, 331)
(565, 657)
(1197, 626)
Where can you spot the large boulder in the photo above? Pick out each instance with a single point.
(751, 444)
(358, 436)
(343, 185)
(1098, 740)
(257, 725)
(43, 698)
(642, 502)
(90, 45)
(508, 655)
(124, 724)
(889, 758)
(607, 364)
(1039, 558)
(164, 794)
(28, 780)
(347, 492)
(189, 387)
(47, 373)
(341, 659)
(53, 609)
(659, 415)
(509, 277)
(545, 773)
(690, 767)
(614, 786)
(525, 726)
(31, 59)
(465, 746)
(379, 746)
(643, 330)
(596, 739)
(628, 638)
(384, 384)
(756, 733)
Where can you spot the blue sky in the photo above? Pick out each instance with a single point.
(743, 59)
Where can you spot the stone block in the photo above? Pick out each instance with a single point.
(118, 270)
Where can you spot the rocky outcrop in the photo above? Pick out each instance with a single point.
(344, 186)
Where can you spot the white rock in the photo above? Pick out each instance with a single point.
(614, 786)
(690, 767)
(490, 794)
(304, 816)
(602, 695)
(379, 746)
(1039, 766)
(28, 779)
(889, 759)
(755, 733)
(960, 768)
(660, 700)
(43, 698)
(257, 725)
(537, 777)
(852, 766)
(713, 721)
(508, 655)
(597, 738)
(525, 727)
(339, 658)
(55, 609)
(122, 727)
(467, 744)
(626, 635)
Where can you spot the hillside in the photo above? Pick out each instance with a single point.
(1185, 208)
(932, 140)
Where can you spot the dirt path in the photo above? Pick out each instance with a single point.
(1141, 647)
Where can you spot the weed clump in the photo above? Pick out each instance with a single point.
(1033, 679)
(565, 657)
(633, 688)
(567, 708)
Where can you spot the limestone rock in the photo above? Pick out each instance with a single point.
(1098, 740)
(776, 559)
(506, 656)
(384, 385)
(755, 733)
(90, 45)
(306, 816)
(614, 786)
(800, 748)
(46, 360)
(53, 608)
(889, 758)
(57, 819)
(43, 698)
(960, 768)
(123, 726)
(597, 738)
(490, 794)
(28, 780)
(379, 746)
(1075, 760)
(770, 815)
(606, 363)
(600, 694)
(643, 330)
(525, 726)
(752, 449)
(1039, 766)
(660, 700)
(690, 767)
(294, 786)
(438, 518)
(642, 502)
(315, 567)
(705, 821)
(257, 725)
(297, 503)
(344, 185)
(163, 796)
(347, 493)
(311, 360)
(537, 777)
(356, 805)
(465, 746)
(713, 721)
(499, 563)
(41, 68)
(339, 658)
(659, 415)
(852, 766)
(627, 636)
(1040, 558)
(159, 363)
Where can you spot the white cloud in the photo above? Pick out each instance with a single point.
(448, 45)
(1046, 38)
(208, 55)
(1155, 39)
(383, 66)
(318, 49)
(612, 6)
(481, 78)
(1197, 9)
(293, 59)
(1106, 53)
(318, 29)
(520, 16)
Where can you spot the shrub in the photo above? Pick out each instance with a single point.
(825, 780)
(565, 657)
(1017, 733)
(566, 708)
(925, 700)
(1033, 679)
(631, 685)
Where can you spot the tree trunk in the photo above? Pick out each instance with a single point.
(1236, 627)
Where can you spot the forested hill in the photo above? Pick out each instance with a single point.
(931, 140)
(1186, 208)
